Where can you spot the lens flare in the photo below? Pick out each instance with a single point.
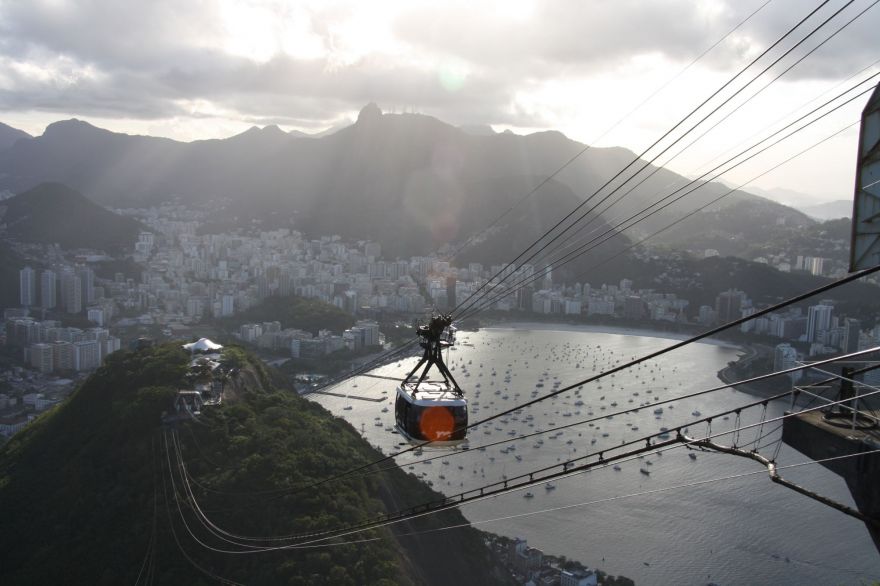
(437, 424)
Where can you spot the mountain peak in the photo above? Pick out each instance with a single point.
(272, 129)
(9, 135)
(369, 113)
(66, 127)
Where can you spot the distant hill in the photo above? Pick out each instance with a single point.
(10, 264)
(410, 181)
(52, 212)
(86, 488)
(701, 280)
(833, 210)
(310, 315)
(8, 136)
(744, 227)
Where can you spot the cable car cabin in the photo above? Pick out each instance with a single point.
(431, 411)
(434, 411)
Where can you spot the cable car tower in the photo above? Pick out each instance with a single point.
(432, 410)
(852, 428)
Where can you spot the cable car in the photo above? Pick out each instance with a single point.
(432, 410)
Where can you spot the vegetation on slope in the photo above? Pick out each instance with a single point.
(52, 212)
(10, 264)
(310, 315)
(77, 488)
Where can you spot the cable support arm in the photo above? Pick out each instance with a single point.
(708, 444)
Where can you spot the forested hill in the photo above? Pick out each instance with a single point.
(84, 488)
(52, 212)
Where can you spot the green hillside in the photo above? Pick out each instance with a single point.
(310, 315)
(10, 264)
(52, 212)
(83, 489)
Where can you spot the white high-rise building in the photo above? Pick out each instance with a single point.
(71, 292)
(27, 278)
(87, 282)
(785, 357)
(48, 289)
(370, 332)
(86, 355)
(227, 305)
(41, 357)
(818, 320)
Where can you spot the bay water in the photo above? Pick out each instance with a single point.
(669, 518)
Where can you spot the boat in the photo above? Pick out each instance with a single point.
(349, 408)
(692, 456)
(617, 467)
(645, 471)
(549, 486)
(528, 495)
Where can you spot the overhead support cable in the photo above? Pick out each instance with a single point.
(659, 140)
(633, 495)
(608, 234)
(520, 482)
(574, 465)
(791, 301)
(587, 147)
(627, 411)
(775, 477)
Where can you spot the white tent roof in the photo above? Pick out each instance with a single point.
(203, 345)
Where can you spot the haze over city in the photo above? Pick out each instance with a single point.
(192, 70)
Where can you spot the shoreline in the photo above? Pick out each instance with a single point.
(611, 330)
(725, 375)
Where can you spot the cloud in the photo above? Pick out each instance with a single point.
(309, 64)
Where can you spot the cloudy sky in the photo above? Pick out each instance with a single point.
(193, 69)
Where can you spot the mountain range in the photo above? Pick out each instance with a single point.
(410, 181)
(832, 210)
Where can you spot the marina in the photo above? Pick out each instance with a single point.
(624, 532)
